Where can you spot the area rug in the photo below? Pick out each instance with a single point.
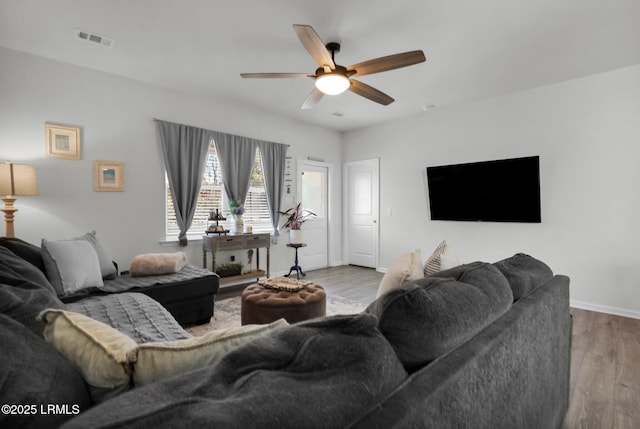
(226, 313)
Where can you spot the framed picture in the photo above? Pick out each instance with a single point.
(108, 176)
(62, 141)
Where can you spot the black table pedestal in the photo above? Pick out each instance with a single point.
(297, 268)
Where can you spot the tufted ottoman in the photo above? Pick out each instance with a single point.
(261, 305)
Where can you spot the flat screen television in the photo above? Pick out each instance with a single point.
(505, 190)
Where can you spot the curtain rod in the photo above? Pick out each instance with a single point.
(216, 131)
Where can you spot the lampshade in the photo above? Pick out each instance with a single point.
(18, 179)
(332, 83)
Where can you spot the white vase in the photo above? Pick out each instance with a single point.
(295, 236)
(239, 225)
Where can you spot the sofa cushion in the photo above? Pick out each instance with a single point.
(405, 267)
(524, 273)
(156, 361)
(16, 269)
(24, 291)
(26, 251)
(34, 374)
(323, 373)
(427, 318)
(96, 349)
(71, 265)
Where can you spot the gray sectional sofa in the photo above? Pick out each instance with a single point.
(477, 346)
(187, 294)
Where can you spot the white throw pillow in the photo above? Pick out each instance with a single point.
(449, 259)
(405, 267)
(71, 265)
(99, 351)
(442, 258)
(157, 361)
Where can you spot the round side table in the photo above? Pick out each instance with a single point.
(297, 268)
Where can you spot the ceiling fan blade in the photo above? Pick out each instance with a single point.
(312, 99)
(370, 92)
(273, 75)
(389, 62)
(315, 46)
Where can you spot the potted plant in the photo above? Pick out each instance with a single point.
(236, 208)
(229, 269)
(296, 216)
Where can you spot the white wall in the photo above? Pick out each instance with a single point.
(116, 117)
(587, 134)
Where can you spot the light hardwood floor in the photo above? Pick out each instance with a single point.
(605, 359)
(605, 372)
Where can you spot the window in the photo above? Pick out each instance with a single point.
(212, 196)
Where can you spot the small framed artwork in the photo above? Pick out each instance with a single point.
(62, 141)
(108, 176)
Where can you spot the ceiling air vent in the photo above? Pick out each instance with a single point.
(94, 38)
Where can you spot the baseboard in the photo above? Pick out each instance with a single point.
(605, 309)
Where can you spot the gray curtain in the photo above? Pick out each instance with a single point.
(184, 150)
(274, 157)
(236, 155)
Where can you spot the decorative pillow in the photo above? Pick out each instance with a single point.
(96, 349)
(441, 259)
(152, 264)
(107, 268)
(71, 265)
(405, 267)
(156, 361)
(429, 317)
(34, 374)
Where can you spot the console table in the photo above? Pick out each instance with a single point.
(215, 243)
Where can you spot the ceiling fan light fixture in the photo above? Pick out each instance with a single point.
(332, 83)
(333, 79)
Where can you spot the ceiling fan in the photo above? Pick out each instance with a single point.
(332, 79)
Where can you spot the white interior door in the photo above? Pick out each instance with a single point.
(361, 203)
(313, 188)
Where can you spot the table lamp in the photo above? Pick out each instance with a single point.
(15, 180)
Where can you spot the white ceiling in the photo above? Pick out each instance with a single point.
(474, 49)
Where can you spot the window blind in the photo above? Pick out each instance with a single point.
(212, 197)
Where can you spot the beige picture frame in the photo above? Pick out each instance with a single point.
(108, 176)
(62, 141)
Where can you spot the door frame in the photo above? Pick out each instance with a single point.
(346, 214)
(329, 167)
